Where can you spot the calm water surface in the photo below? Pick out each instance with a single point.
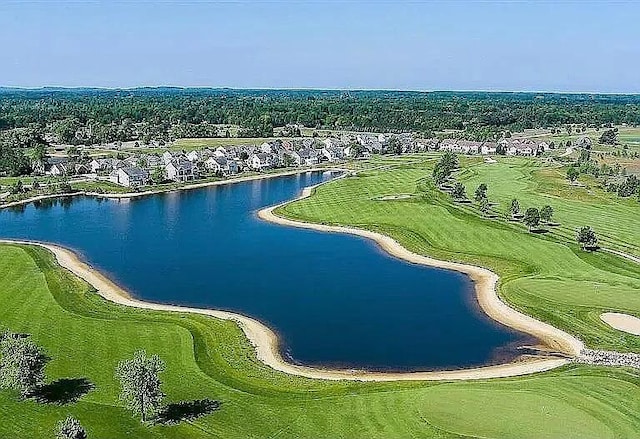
(335, 300)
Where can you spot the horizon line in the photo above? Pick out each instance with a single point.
(396, 90)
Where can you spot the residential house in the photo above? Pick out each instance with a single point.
(260, 161)
(331, 142)
(181, 170)
(488, 148)
(201, 155)
(80, 168)
(583, 142)
(61, 168)
(130, 176)
(332, 153)
(470, 147)
(449, 145)
(168, 157)
(221, 165)
(305, 157)
(221, 152)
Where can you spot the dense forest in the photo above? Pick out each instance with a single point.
(99, 116)
(187, 112)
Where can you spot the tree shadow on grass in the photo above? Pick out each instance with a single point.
(63, 391)
(539, 231)
(187, 411)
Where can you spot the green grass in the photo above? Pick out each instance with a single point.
(99, 186)
(547, 276)
(212, 142)
(209, 358)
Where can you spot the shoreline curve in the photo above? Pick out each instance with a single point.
(115, 195)
(265, 341)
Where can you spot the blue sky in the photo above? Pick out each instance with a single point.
(418, 45)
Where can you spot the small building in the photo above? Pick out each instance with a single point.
(221, 165)
(181, 170)
(333, 154)
(489, 148)
(60, 169)
(130, 176)
(305, 157)
(260, 161)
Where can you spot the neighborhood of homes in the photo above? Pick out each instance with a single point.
(137, 170)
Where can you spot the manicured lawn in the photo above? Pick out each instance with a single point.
(190, 144)
(546, 276)
(207, 358)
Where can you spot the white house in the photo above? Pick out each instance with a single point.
(333, 154)
(130, 176)
(260, 161)
(221, 165)
(305, 157)
(167, 156)
(488, 148)
(330, 142)
(449, 145)
(181, 170)
(220, 152)
(59, 169)
(104, 165)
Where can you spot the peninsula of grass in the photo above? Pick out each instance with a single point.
(544, 275)
(86, 336)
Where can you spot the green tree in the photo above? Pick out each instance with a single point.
(445, 166)
(572, 173)
(531, 218)
(157, 175)
(140, 384)
(17, 187)
(586, 237)
(608, 137)
(22, 364)
(481, 192)
(546, 213)
(70, 428)
(484, 206)
(514, 209)
(459, 191)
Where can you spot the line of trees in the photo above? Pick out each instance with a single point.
(112, 113)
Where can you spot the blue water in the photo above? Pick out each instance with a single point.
(335, 300)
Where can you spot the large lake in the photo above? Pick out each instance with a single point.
(335, 300)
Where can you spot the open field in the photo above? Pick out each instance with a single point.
(191, 144)
(209, 358)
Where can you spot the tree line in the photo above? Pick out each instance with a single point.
(112, 113)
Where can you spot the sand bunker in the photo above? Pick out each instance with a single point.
(622, 322)
(393, 197)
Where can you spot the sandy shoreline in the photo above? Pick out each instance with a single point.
(265, 340)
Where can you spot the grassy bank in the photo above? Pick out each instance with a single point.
(208, 358)
(545, 275)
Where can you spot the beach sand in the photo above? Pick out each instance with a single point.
(266, 343)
